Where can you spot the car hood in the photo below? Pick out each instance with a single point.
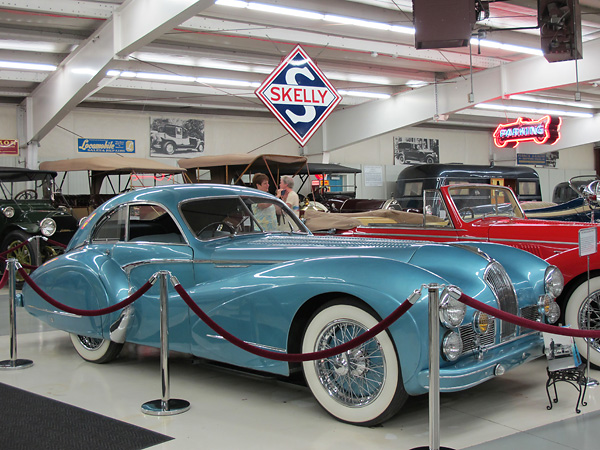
(283, 247)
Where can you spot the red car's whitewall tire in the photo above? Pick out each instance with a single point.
(362, 386)
(576, 317)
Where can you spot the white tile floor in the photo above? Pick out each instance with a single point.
(231, 410)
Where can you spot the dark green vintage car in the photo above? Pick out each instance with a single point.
(26, 210)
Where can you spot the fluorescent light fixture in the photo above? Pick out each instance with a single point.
(27, 66)
(271, 9)
(232, 3)
(507, 47)
(550, 101)
(31, 46)
(207, 63)
(182, 79)
(416, 83)
(540, 111)
(285, 11)
(224, 82)
(357, 22)
(364, 94)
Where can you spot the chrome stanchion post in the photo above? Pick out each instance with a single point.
(13, 362)
(165, 406)
(434, 370)
(591, 382)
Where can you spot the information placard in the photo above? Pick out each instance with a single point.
(588, 243)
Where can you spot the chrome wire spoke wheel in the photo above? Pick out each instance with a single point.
(589, 318)
(579, 307)
(363, 385)
(90, 343)
(353, 378)
(96, 350)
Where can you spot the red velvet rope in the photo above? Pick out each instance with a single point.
(538, 326)
(17, 247)
(4, 278)
(295, 357)
(84, 312)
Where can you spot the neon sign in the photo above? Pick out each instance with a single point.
(542, 131)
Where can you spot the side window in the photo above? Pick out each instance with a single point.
(112, 227)
(218, 217)
(152, 223)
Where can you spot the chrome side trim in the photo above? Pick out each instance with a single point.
(220, 264)
(265, 347)
(59, 313)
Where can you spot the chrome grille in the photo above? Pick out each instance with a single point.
(531, 312)
(500, 283)
(469, 337)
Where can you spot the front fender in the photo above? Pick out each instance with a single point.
(572, 265)
(261, 306)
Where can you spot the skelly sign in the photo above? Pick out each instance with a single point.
(299, 95)
(542, 131)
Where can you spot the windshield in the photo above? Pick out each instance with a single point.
(219, 217)
(26, 190)
(479, 201)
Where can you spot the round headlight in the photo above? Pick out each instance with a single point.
(553, 312)
(452, 311)
(452, 346)
(554, 281)
(8, 212)
(482, 322)
(47, 227)
(549, 308)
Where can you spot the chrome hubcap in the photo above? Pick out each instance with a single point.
(354, 378)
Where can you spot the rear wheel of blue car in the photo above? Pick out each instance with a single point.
(362, 386)
(95, 350)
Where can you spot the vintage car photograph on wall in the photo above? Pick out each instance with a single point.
(486, 213)
(273, 284)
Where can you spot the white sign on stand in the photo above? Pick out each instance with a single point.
(588, 245)
(588, 242)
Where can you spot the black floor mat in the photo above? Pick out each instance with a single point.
(31, 422)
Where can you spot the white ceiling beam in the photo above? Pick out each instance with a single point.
(63, 7)
(79, 74)
(231, 28)
(349, 126)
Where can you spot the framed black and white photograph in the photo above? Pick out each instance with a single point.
(413, 150)
(176, 137)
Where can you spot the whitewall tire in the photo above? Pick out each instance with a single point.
(576, 316)
(362, 386)
(95, 350)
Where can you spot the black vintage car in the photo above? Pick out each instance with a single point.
(26, 210)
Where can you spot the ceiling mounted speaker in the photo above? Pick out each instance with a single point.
(443, 23)
(560, 29)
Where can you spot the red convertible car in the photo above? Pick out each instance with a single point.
(478, 212)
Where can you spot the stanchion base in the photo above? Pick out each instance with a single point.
(174, 406)
(428, 448)
(16, 364)
(592, 382)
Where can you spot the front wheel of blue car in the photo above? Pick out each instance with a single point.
(362, 386)
(95, 350)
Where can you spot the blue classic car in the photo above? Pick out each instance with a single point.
(286, 290)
